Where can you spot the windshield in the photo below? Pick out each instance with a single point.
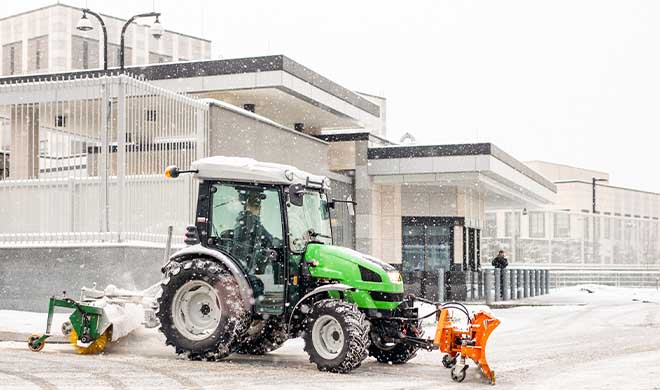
(314, 215)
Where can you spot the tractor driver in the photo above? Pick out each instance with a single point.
(250, 235)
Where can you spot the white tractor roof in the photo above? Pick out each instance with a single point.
(250, 170)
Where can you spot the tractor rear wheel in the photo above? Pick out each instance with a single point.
(264, 337)
(336, 336)
(201, 310)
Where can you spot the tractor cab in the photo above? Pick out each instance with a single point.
(262, 216)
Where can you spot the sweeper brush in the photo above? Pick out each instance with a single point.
(100, 317)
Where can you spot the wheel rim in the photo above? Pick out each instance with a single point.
(328, 337)
(196, 310)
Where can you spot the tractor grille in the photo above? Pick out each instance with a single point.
(386, 297)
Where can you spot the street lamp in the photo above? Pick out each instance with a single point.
(84, 24)
(156, 31)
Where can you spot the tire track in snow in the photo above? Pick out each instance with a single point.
(39, 382)
(113, 382)
(168, 373)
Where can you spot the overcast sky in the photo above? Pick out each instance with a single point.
(574, 82)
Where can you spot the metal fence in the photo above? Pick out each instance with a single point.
(86, 156)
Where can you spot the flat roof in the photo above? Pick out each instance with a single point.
(201, 68)
(58, 4)
(417, 151)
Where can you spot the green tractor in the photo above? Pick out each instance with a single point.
(260, 268)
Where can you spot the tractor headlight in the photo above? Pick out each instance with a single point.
(394, 276)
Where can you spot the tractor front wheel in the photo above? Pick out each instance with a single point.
(336, 336)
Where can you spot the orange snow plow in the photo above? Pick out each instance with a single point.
(460, 343)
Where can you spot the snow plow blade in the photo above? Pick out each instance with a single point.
(459, 343)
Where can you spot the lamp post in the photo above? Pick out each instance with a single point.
(156, 31)
(596, 238)
(85, 25)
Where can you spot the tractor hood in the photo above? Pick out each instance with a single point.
(353, 268)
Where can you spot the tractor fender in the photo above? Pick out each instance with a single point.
(326, 288)
(199, 251)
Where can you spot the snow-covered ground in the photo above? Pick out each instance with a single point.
(573, 339)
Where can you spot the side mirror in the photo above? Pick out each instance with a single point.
(296, 194)
(350, 205)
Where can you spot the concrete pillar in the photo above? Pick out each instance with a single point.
(498, 287)
(488, 285)
(525, 283)
(547, 281)
(506, 286)
(442, 293)
(24, 149)
(532, 283)
(514, 283)
(537, 282)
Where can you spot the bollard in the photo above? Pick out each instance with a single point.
(547, 281)
(525, 283)
(541, 284)
(498, 287)
(519, 282)
(480, 285)
(442, 291)
(506, 286)
(488, 284)
(474, 284)
(537, 279)
(532, 283)
(544, 276)
(514, 283)
(468, 286)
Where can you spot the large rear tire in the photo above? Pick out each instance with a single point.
(336, 336)
(201, 311)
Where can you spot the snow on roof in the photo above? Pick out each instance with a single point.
(251, 170)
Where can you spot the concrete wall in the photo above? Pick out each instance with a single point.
(29, 276)
(234, 133)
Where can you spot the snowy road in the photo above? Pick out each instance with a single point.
(606, 340)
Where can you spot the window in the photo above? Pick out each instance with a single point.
(537, 224)
(151, 115)
(12, 60)
(43, 147)
(60, 121)
(85, 55)
(246, 221)
(490, 225)
(511, 224)
(37, 53)
(562, 225)
(606, 227)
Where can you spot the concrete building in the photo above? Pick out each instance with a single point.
(617, 243)
(45, 40)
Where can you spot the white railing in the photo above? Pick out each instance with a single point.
(87, 156)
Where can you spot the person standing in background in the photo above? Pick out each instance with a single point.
(501, 262)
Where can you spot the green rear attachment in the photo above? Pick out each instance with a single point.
(84, 320)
